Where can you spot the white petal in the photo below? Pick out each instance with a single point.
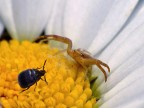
(115, 20)
(27, 17)
(78, 20)
(83, 19)
(7, 16)
(129, 89)
(133, 43)
(54, 25)
(136, 20)
(136, 103)
(120, 73)
(122, 48)
(1, 28)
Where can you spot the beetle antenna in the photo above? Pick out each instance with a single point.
(44, 64)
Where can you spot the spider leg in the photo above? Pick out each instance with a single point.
(57, 38)
(105, 75)
(104, 64)
(91, 61)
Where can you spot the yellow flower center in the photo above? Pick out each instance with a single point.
(67, 83)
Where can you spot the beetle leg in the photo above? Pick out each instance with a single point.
(44, 64)
(38, 68)
(36, 83)
(44, 80)
(25, 89)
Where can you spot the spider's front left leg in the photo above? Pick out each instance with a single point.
(92, 61)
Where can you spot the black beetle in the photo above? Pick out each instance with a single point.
(31, 76)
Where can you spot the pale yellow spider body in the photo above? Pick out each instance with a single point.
(80, 56)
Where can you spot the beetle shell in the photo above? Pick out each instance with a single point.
(29, 77)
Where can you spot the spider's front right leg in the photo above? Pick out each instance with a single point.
(98, 63)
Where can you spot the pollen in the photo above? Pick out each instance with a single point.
(67, 85)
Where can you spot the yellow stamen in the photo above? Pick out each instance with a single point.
(67, 82)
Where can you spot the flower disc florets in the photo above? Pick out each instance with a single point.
(67, 83)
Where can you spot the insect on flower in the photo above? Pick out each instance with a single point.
(31, 76)
(80, 56)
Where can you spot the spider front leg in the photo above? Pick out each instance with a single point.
(56, 38)
(99, 63)
(92, 61)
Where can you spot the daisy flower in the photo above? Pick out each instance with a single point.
(111, 31)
